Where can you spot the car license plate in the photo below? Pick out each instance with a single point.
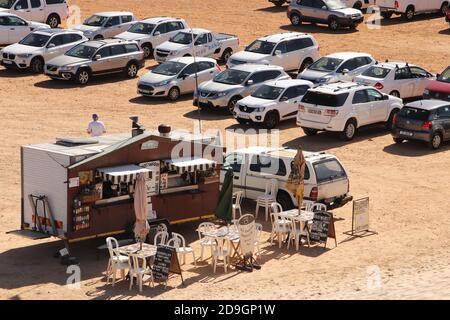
(7, 62)
(244, 116)
(314, 111)
(406, 133)
(145, 91)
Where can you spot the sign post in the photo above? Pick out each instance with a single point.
(247, 236)
(360, 219)
(165, 263)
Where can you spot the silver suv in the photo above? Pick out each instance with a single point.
(97, 57)
(335, 13)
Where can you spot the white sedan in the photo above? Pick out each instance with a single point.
(398, 79)
(14, 28)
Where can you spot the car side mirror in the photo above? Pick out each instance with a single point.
(184, 76)
(51, 45)
(97, 57)
(249, 82)
(385, 97)
(283, 99)
(157, 33)
(277, 53)
(438, 75)
(345, 71)
(324, 8)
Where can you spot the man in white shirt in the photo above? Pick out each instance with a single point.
(96, 128)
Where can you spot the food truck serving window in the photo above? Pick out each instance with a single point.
(190, 165)
(122, 174)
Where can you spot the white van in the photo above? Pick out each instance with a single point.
(326, 180)
(52, 12)
(409, 8)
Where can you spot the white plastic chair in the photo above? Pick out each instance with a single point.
(179, 243)
(117, 262)
(220, 253)
(297, 230)
(269, 197)
(237, 198)
(205, 241)
(161, 238)
(307, 205)
(318, 207)
(258, 230)
(280, 228)
(138, 269)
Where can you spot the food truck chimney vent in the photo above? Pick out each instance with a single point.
(164, 130)
(136, 127)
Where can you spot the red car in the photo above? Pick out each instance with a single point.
(439, 88)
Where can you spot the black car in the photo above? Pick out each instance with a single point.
(425, 120)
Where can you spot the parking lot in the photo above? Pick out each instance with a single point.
(407, 184)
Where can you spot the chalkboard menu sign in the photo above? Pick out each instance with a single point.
(166, 262)
(320, 226)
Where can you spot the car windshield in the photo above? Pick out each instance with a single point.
(6, 4)
(95, 21)
(335, 4)
(376, 72)
(268, 92)
(35, 40)
(414, 114)
(326, 64)
(182, 38)
(263, 47)
(328, 170)
(142, 28)
(81, 51)
(231, 76)
(325, 99)
(445, 76)
(169, 68)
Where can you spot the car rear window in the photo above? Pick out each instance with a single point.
(54, 1)
(131, 48)
(414, 113)
(325, 99)
(329, 169)
(376, 72)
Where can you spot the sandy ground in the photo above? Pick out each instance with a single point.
(407, 184)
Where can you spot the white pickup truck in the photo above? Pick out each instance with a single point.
(326, 180)
(409, 8)
(52, 12)
(206, 43)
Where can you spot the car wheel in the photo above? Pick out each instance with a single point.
(296, 20)
(147, 51)
(232, 103)
(285, 201)
(305, 64)
(279, 3)
(398, 140)
(349, 131)
(386, 15)
(226, 55)
(174, 94)
(390, 122)
(53, 20)
(395, 93)
(409, 13)
(436, 141)
(98, 37)
(444, 8)
(37, 65)
(333, 24)
(310, 132)
(82, 76)
(271, 120)
(357, 5)
(132, 70)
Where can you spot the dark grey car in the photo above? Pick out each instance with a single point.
(425, 120)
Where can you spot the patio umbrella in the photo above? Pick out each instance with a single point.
(141, 227)
(295, 182)
(224, 206)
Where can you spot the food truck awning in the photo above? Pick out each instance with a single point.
(120, 174)
(190, 165)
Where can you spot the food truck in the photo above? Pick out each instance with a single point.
(79, 189)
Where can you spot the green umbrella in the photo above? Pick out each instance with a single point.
(225, 204)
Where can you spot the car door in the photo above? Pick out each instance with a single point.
(422, 79)
(112, 27)
(125, 22)
(289, 101)
(54, 47)
(103, 64)
(295, 49)
(37, 10)
(202, 49)
(255, 81)
(361, 107)
(4, 30)
(346, 70)
(361, 65)
(119, 57)
(16, 28)
(261, 169)
(235, 162)
(281, 56)
(404, 82)
(22, 9)
(443, 115)
(187, 78)
(206, 71)
(378, 106)
(172, 29)
(320, 11)
(160, 34)
(307, 10)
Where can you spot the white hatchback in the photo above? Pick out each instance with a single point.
(344, 107)
(273, 102)
(398, 79)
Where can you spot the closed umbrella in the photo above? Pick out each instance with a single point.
(225, 204)
(141, 227)
(296, 178)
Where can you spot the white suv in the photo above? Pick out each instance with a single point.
(38, 47)
(104, 25)
(52, 12)
(14, 28)
(344, 107)
(273, 102)
(151, 32)
(340, 66)
(293, 51)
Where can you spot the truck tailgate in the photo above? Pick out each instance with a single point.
(385, 3)
(331, 189)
